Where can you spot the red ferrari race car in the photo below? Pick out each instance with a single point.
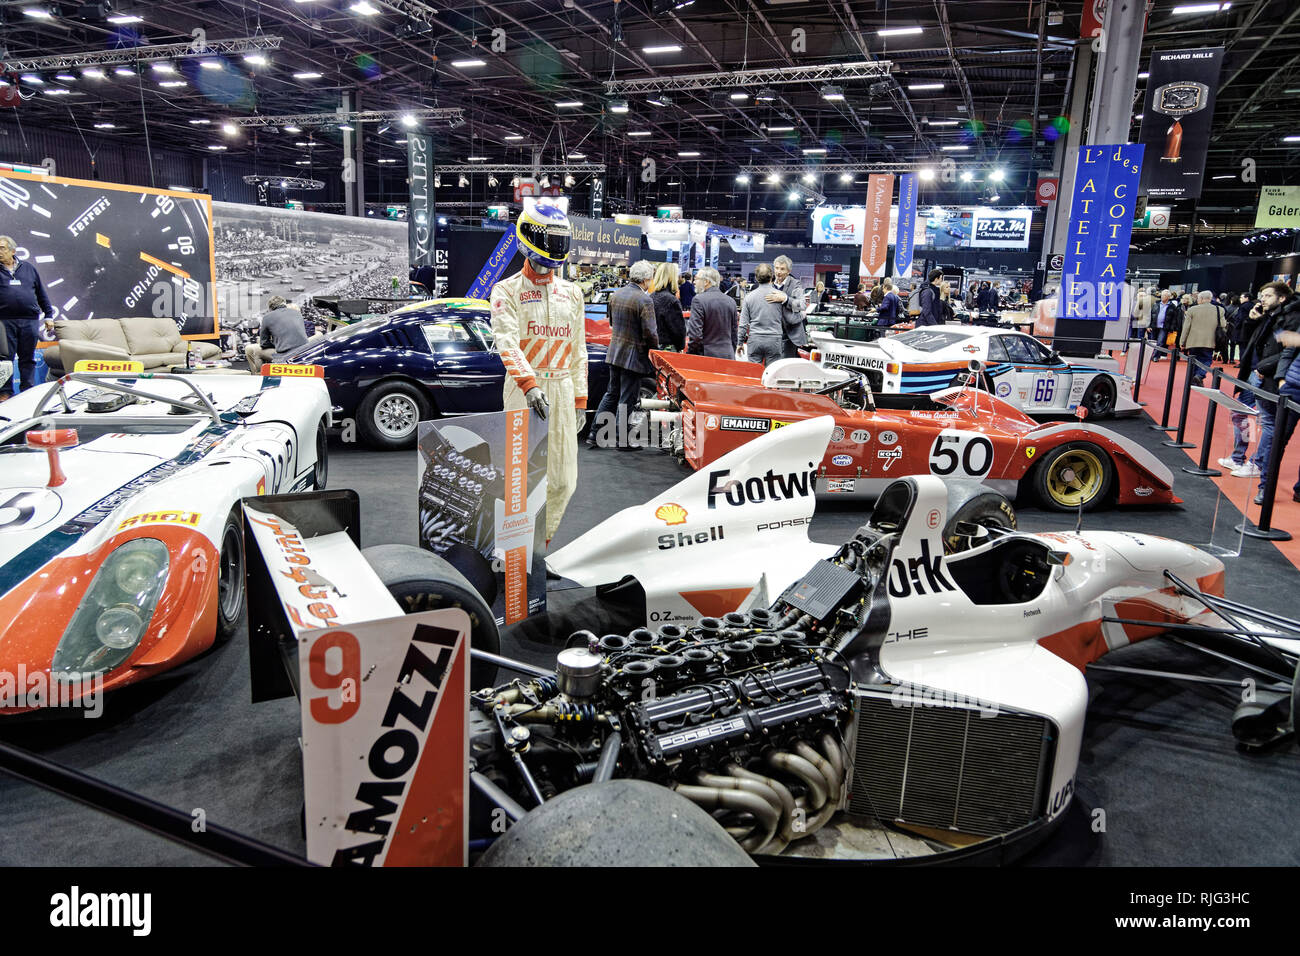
(961, 432)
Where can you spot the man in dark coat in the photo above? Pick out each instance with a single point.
(633, 333)
(931, 301)
(711, 329)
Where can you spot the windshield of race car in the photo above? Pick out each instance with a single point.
(928, 340)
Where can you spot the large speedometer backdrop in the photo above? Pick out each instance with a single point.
(110, 251)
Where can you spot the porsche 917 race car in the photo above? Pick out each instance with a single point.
(426, 359)
(121, 551)
(957, 432)
(1017, 367)
(916, 691)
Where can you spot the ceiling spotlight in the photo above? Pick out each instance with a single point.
(765, 95)
(292, 129)
(58, 92)
(814, 151)
(302, 162)
(93, 72)
(688, 153)
(1143, 76)
(437, 181)
(123, 71)
(513, 138)
(217, 148)
(568, 180)
(211, 64)
(944, 122)
(256, 59)
(492, 181)
(172, 84)
(998, 175)
(618, 106)
(66, 77)
(462, 181)
(468, 64)
(898, 31)
(659, 99)
(668, 48)
(780, 129)
(994, 197)
(638, 132)
(475, 159)
(514, 180)
(105, 126)
(1185, 8)
(309, 75)
(919, 87)
(408, 121)
(960, 148)
(832, 93)
(794, 194)
(118, 19)
(809, 178)
(230, 129)
(773, 178)
(364, 8)
(927, 174)
(967, 176)
(162, 67)
(846, 177)
(345, 127)
(37, 13)
(568, 104)
(743, 179)
(33, 79)
(739, 95)
(200, 122)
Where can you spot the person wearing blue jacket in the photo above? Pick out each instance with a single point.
(23, 300)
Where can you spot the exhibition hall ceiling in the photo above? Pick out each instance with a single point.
(984, 84)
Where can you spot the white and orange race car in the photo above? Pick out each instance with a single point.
(121, 549)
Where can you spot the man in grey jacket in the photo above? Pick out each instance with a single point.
(282, 332)
(762, 320)
(788, 291)
(712, 327)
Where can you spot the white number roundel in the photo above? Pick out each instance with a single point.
(961, 454)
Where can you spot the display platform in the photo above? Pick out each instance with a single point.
(1159, 760)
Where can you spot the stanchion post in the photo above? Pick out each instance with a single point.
(1137, 378)
(1203, 466)
(1178, 441)
(1169, 390)
(1264, 529)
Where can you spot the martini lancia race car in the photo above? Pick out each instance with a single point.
(1016, 367)
(121, 549)
(959, 432)
(915, 692)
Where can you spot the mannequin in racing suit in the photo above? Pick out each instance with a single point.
(539, 326)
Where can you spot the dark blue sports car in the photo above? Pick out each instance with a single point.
(423, 361)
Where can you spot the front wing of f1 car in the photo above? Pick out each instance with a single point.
(889, 684)
(954, 433)
(119, 555)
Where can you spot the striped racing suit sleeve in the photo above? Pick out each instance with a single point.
(578, 355)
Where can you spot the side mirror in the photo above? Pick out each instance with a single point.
(1058, 559)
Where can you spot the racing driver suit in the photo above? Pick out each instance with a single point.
(540, 330)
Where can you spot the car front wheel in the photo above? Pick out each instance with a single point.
(1100, 400)
(390, 414)
(1077, 475)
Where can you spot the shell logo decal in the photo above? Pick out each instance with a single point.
(671, 514)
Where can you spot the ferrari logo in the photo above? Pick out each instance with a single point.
(1029, 452)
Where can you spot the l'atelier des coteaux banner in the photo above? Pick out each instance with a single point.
(1101, 223)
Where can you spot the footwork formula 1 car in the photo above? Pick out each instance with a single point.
(1017, 367)
(917, 691)
(959, 432)
(121, 549)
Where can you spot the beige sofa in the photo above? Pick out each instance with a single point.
(155, 343)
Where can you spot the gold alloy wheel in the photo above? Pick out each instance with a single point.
(1075, 478)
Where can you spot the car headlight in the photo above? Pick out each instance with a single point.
(117, 608)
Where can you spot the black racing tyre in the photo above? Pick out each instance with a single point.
(1075, 474)
(389, 416)
(969, 501)
(230, 575)
(1100, 398)
(619, 822)
(422, 581)
(321, 472)
(474, 568)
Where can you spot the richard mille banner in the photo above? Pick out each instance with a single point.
(875, 234)
(1176, 119)
(420, 216)
(906, 238)
(1101, 223)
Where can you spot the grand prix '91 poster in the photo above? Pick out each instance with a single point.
(107, 250)
(482, 505)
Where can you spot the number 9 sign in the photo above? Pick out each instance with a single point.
(960, 454)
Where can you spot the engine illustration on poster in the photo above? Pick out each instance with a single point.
(482, 505)
(113, 250)
(1176, 118)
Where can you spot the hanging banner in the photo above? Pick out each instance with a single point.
(1101, 224)
(751, 242)
(420, 231)
(597, 198)
(495, 266)
(600, 240)
(905, 239)
(1279, 208)
(482, 504)
(875, 238)
(713, 251)
(1176, 119)
(1000, 228)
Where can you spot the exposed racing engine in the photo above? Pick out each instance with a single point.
(743, 714)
